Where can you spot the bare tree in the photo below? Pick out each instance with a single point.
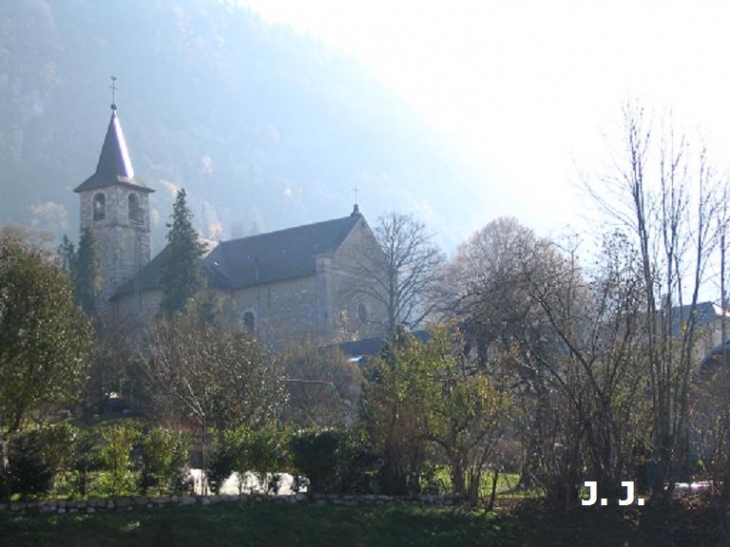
(662, 192)
(409, 268)
(495, 282)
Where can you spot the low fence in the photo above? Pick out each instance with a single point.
(95, 505)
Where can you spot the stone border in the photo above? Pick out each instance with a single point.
(95, 505)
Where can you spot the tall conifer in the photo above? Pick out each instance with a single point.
(182, 276)
(87, 272)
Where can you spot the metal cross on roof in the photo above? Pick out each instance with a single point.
(114, 88)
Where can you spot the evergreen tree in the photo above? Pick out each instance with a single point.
(87, 272)
(83, 265)
(182, 276)
(67, 255)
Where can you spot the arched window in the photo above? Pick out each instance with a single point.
(249, 320)
(133, 208)
(99, 206)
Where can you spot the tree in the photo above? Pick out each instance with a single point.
(197, 372)
(182, 276)
(398, 387)
(663, 195)
(87, 272)
(44, 338)
(600, 374)
(468, 418)
(400, 280)
(214, 376)
(323, 386)
(83, 265)
(490, 293)
(110, 358)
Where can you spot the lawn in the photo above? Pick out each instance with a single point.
(531, 523)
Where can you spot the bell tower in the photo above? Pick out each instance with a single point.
(115, 207)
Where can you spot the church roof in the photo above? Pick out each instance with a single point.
(276, 256)
(115, 164)
(260, 259)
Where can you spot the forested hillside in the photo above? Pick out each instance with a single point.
(264, 127)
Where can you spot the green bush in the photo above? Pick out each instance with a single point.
(164, 458)
(333, 460)
(221, 462)
(28, 472)
(116, 456)
(263, 451)
(86, 463)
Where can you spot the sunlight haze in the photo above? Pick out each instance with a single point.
(529, 88)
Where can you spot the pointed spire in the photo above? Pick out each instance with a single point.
(115, 163)
(114, 160)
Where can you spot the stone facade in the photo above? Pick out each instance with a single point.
(321, 307)
(123, 232)
(115, 207)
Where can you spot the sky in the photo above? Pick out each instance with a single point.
(532, 89)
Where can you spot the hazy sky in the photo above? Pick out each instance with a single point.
(529, 87)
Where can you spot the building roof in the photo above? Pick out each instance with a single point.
(260, 259)
(360, 350)
(705, 313)
(115, 163)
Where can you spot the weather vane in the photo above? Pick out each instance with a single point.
(356, 190)
(114, 92)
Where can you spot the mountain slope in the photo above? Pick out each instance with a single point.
(265, 128)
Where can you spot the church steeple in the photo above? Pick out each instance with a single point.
(115, 207)
(115, 163)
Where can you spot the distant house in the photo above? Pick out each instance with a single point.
(706, 320)
(302, 282)
(359, 351)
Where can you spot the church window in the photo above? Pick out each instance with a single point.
(133, 208)
(249, 320)
(99, 206)
(362, 312)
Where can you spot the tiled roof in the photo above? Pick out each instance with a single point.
(704, 314)
(260, 259)
(358, 350)
(115, 164)
(280, 255)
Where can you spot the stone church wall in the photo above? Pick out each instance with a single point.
(139, 307)
(124, 243)
(323, 308)
(284, 310)
(352, 284)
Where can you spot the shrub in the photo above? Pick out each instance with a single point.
(28, 472)
(262, 451)
(86, 461)
(220, 464)
(333, 460)
(116, 455)
(164, 457)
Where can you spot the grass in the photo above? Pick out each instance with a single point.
(255, 524)
(532, 523)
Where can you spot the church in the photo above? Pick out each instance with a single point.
(316, 282)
